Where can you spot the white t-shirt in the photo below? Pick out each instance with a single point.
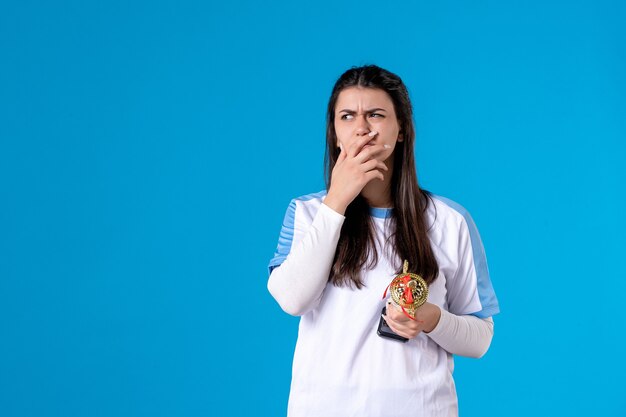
(341, 367)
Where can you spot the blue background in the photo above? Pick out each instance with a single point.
(149, 151)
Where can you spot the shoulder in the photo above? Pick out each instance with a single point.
(312, 197)
(305, 206)
(298, 216)
(447, 219)
(449, 207)
(443, 209)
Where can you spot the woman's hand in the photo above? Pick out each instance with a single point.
(355, 167)
(426, 319)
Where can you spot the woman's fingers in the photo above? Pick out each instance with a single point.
(408, 329)
(396, 313)
(400, 323)
(342, 153)
(351, 174)
(370, 152)
(373, 164)
(397, 329)
(358, 144)
(370, 175)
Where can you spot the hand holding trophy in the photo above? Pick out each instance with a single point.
(408, 292)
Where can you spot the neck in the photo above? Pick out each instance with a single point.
(377, 193)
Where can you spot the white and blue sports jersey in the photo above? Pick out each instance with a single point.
(341, 367)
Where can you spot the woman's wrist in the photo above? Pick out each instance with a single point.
(334, 204)
(435, 316)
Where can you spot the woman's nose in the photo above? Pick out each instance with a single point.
(362, 127)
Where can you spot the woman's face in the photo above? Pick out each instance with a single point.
(361, 110)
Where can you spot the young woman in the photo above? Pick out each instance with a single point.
(339, 249)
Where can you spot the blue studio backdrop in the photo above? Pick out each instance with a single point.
(149, 150)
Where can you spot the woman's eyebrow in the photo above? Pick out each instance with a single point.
(366, 111)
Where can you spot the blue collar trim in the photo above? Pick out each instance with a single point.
(381, 212)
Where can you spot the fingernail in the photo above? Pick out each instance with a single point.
(372, 133)
(386, 146)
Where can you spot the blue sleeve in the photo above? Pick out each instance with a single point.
(473, 271)
(486, 293)
(285, 238)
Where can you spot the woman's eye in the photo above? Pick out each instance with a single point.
(346, 116)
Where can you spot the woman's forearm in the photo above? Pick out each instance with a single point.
(298, 283)
(464, 335)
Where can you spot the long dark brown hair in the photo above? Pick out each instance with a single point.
(409, 239)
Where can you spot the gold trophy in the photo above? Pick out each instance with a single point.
(408, 291)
